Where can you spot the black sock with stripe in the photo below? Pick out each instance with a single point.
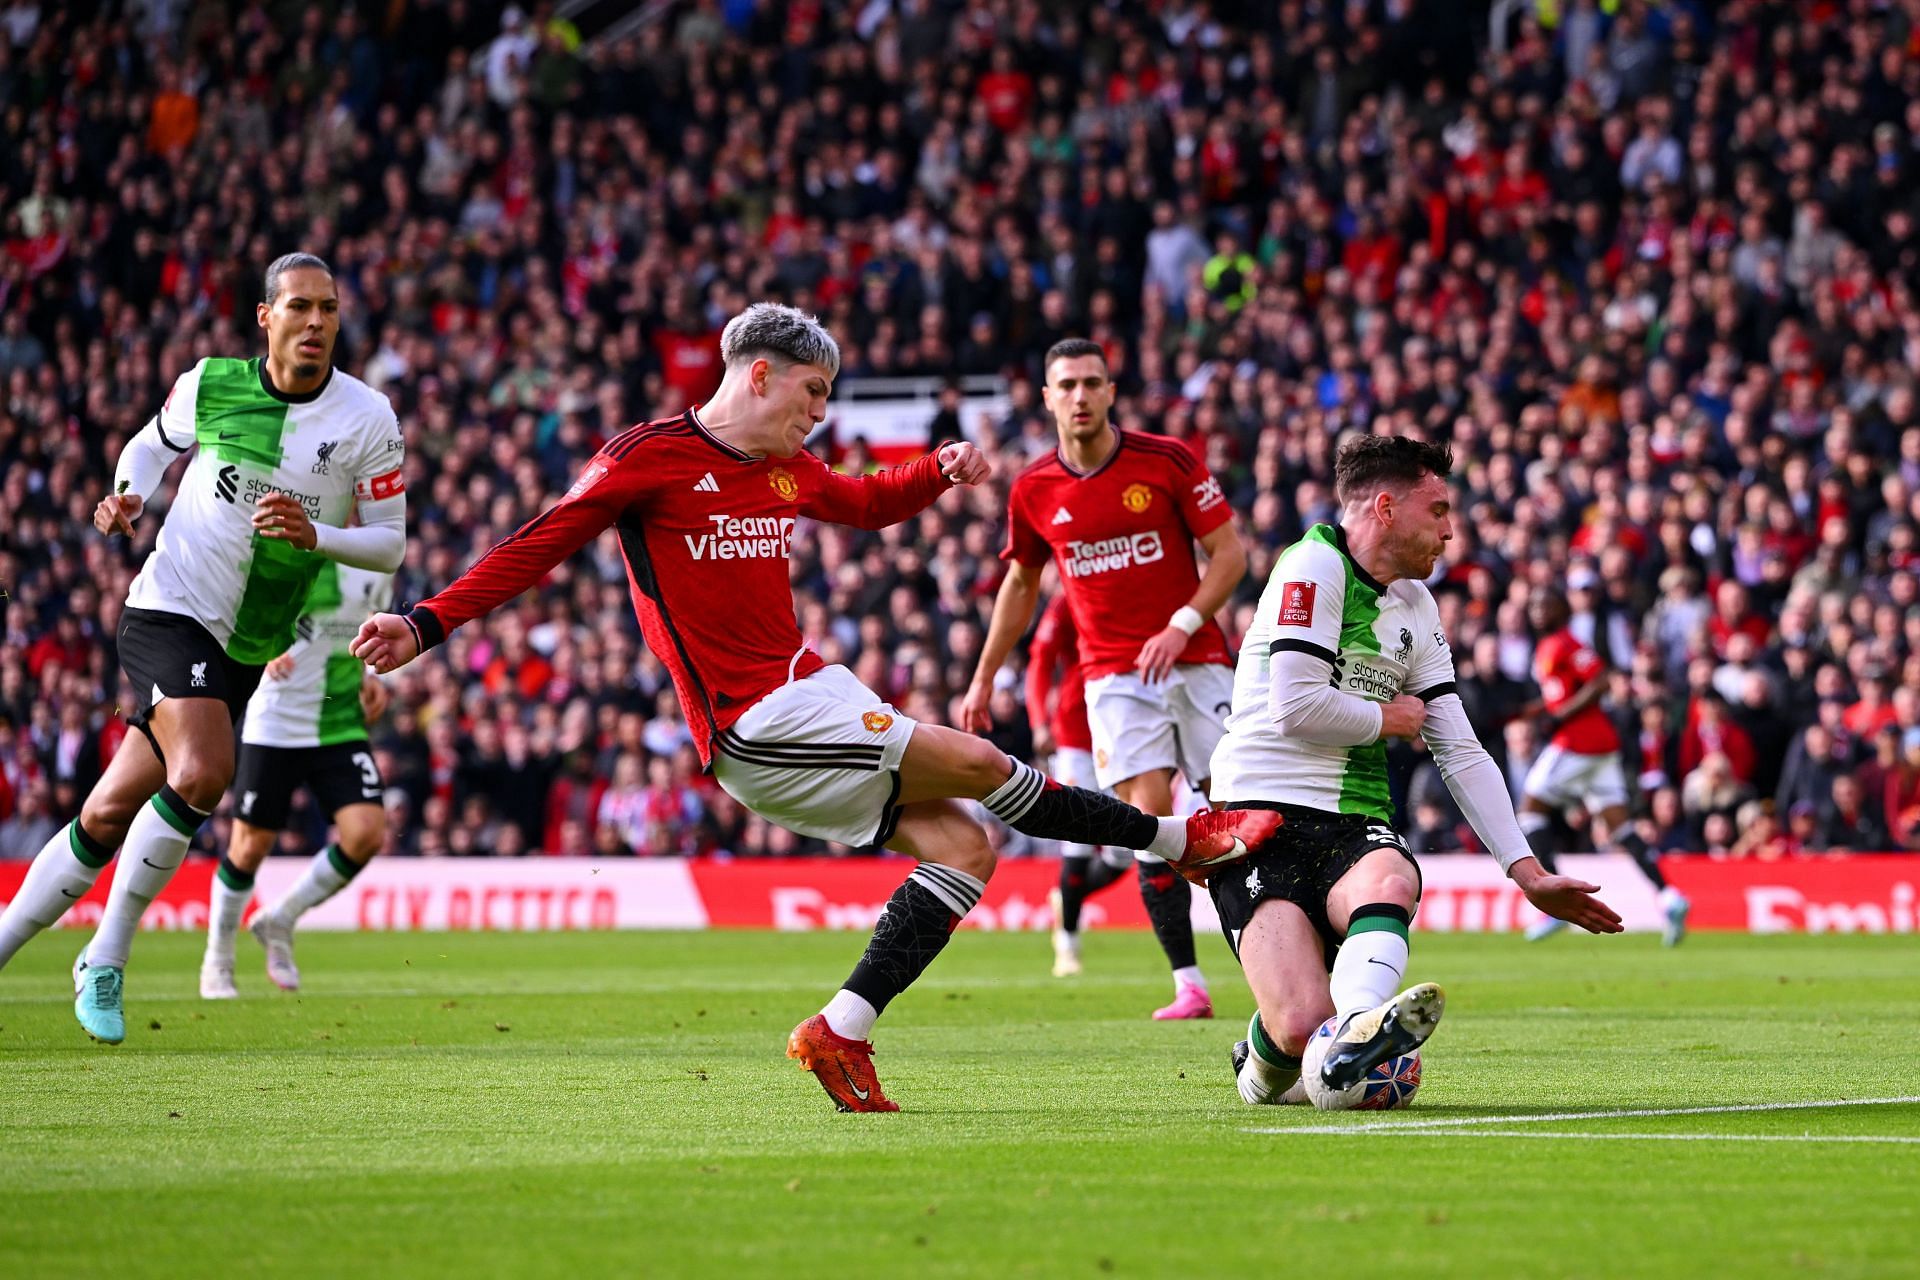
(1080, 878)
(919, 918)
(1035, 805)
(1169, 902)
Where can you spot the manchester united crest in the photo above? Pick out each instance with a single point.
(877, 721)
(1136, 498)
(783, 483)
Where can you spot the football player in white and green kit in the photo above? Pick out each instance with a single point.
(1346, 651)
(306, 726)
(289, 449)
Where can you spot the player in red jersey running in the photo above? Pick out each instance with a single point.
(1057, 710)
(1119, 511)
(706, 506)
(1581, 762)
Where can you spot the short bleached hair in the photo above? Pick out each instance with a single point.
(785, 335)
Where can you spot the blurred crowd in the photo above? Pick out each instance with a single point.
(1650, 266)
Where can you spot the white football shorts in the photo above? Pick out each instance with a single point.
(820, 756)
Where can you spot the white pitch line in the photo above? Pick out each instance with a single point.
(1461, 1122)
(1888, 1139)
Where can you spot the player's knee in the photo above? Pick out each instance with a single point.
(199, 781)
(1291, 1025)
(1398, 889)
(968, 849)
(105, 818)
(361, 841)
(986, 766)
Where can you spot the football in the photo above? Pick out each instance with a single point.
(1388, 1086)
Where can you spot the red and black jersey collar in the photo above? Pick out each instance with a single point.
(700, 429)
(1119, 443)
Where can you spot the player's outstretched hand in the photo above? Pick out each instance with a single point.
(974, 717)
(281, 517)
(1158, 655)
(117, 512)
(1565, 898)
(385, 643)
(961, 463)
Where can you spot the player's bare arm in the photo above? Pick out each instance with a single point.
(1226, 566)
(1013, 610)
(1590, 693)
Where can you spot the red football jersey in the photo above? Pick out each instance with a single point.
(1123, 536)
(706, 531)
(1055, 649)
(1562, 666)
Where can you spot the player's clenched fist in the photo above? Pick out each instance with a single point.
(963, 464)
(386, 642)
(1402, 717)
(117, 512)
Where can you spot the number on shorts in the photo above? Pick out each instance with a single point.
(1385, 837)
(369, 771)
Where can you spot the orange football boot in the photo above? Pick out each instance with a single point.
(843, 1067)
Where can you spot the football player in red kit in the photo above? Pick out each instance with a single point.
(706, 506)
(1118, 512)
(1581, 762)
(1057, 710)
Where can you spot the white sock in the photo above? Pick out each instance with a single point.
(1188, 976)
(1297, 1095)
(225, 906)
(1368, 968)
(1171, 842)
(1672, 899)
(156, 846)
(323, 879)
(1259, 1079)
(55, 881)
(850, 1015)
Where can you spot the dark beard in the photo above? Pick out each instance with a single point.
(305, 371)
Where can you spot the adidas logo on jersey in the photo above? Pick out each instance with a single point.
(1063, 516)
(707, 484)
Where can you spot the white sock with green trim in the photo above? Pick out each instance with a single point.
(226, 903)
(156, 846)
(61, 873)
(1268, 1070)
(328, 873)
(1371, 961)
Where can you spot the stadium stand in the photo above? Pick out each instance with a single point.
(1650, 266)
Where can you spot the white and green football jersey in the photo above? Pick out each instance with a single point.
(318, 703)
(1380, 640)
(325, 449)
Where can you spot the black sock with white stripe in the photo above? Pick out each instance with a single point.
(1035, 805)
(919, 918)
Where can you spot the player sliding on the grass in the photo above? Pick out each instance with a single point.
(706, 506)
(290, 449)
(1345, 652)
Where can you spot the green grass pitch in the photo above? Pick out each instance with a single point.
(480, 1105)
